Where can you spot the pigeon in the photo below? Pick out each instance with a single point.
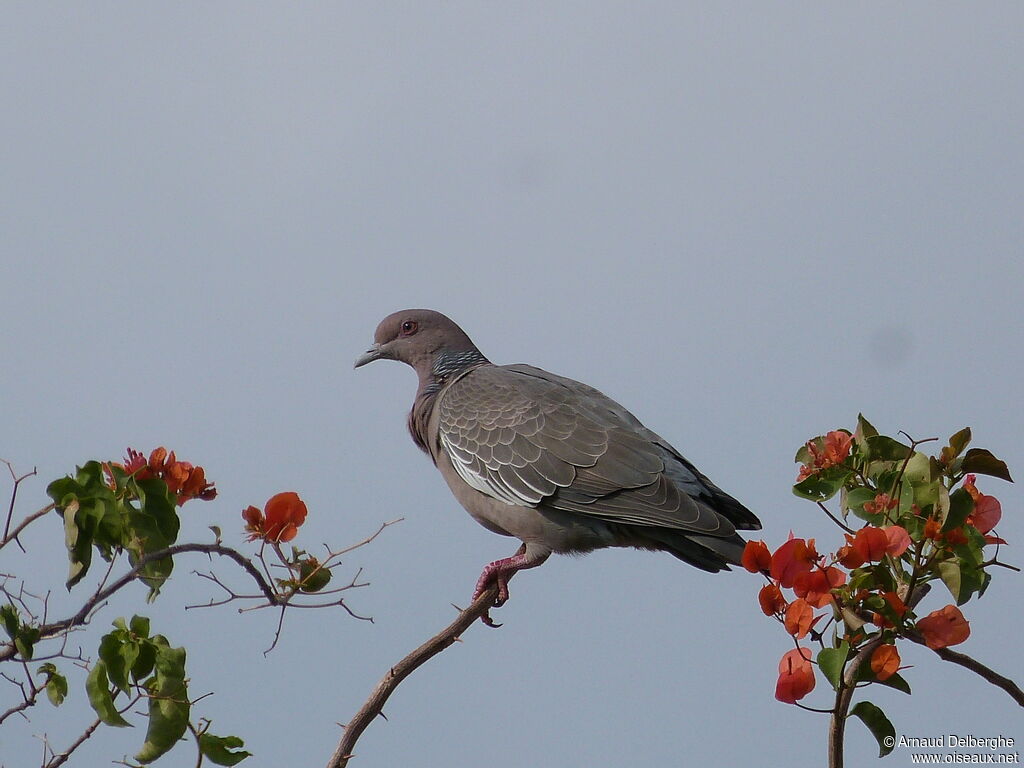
(551, 461)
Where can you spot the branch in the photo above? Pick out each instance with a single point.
(60, 758)
(977, 667)
(837, 727)
(375, 703)
(82, 617)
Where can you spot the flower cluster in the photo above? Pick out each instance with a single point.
(824, 452)
(278, 521)
(183, 479)
(819, 581)
(923, 519)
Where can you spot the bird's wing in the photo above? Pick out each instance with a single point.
(530, 438)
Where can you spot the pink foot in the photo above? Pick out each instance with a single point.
(500, 571)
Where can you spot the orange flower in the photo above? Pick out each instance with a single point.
(834, 448)
(799, 618)
(816, 586)
(796, 676)
(848, 556)
(932, 529)
(771, 600)
(756, 557)
(284, 513)
(955, 537)
(182, 479)
(794, 557)
(882, 503)
(837, 446)
(944, 627)
(871, 543)
(885, 661)
(897, 605)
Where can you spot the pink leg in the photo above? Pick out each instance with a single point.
(500, 571)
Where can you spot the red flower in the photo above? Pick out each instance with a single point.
(944, 627)
(794, 557)
(899, 540)
(885, 661)
(771, 600)
(284, 513)
(796, 676)
(756, 557)
(816, 586)
(987, 509)
(871, 543)
(932, 529)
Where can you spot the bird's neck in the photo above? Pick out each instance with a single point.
(449, 363)
(447, 367)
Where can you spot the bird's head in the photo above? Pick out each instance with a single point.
(421, 338)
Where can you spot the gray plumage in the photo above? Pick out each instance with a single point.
(550, 461)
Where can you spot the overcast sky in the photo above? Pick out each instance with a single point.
(745, 222)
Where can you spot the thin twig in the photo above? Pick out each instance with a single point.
(14, 495)
(375, 703)
(13, 536)
(835, 519)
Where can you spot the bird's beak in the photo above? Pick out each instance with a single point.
(373, 353)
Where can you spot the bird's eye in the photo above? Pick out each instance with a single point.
(409, 327)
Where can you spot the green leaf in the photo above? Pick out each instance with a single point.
(110, 654)
(920, 470)
(822, 485)
(219, 749)
(959, 441)
(168, 703)
(895, 681)
(854, 499)
(102, 702)
(884, 448)
(144, 663)
(313, 576)
(949, 572)
(878, 724)
(960, 506)
(56, 684)
(865, 674)
(162, 506)
(26, 640)
(78, 540)
(140, 627)
(803, 456)
(832, 661)
(9, 618)
(864, 429)
(963, 575)
(984, 463)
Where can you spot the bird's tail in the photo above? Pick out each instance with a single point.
(709, 553)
